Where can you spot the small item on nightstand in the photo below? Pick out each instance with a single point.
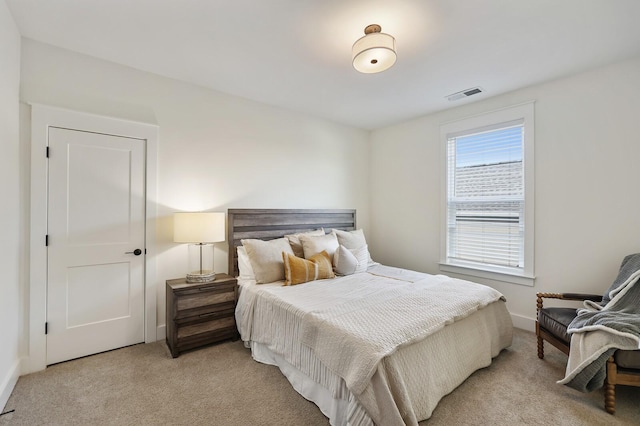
(200, 313)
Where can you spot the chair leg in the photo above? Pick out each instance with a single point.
(610, 387)
(540, 341)
(610, 398)
(540, 347)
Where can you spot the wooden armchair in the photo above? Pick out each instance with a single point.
(552, 323)
(623, 368)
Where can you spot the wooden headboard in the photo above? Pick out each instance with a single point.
(267, 224)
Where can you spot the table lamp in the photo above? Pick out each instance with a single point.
(200, 230)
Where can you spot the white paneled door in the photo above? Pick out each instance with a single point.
(96, 221)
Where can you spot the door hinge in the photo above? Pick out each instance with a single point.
(46, 240)
(46, 328)
(47, 152)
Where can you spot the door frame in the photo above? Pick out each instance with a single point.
(43, 117)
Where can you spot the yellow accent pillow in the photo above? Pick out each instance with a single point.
(298, 270)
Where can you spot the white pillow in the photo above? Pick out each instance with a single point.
(266, 258)
(245, 271)
(349, 262)
(352, 240)
(296, 245)
(315, 244)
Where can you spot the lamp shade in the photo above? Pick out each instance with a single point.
(204, 227)
(375, 52)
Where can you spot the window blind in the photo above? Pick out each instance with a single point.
(485, 196)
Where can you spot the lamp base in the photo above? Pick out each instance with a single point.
(201, 277)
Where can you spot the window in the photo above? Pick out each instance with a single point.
(488, 195)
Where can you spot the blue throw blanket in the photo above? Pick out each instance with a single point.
(600, 329)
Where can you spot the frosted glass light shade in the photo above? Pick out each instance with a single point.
(205, 227)
(375, 52)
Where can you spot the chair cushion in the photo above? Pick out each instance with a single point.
(628, 359)
(556, 321)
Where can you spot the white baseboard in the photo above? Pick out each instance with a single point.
(8, 383)
(161, 332)
(523, 323)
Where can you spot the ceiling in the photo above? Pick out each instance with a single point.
(296, 54)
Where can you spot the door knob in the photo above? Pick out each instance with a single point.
(137, 252)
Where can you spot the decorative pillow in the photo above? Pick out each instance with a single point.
(352, 240)
(296, 245)
(349, 262)
(314, 245)
(266, 258)
(244, 265)
(298, 270)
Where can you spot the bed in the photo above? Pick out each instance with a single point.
(379, 346)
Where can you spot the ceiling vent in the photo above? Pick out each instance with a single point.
(465, 93)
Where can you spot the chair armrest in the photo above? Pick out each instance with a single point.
(566, 296)
(581, 296)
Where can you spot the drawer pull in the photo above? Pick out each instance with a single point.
(207, 315)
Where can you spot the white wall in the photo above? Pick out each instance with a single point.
(216, 151)
(10, 214)
(586, 187)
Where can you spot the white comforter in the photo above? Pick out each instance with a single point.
(354, 323)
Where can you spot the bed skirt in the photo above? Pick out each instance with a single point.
(430, 369)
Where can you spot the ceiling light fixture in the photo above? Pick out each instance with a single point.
(375, 52)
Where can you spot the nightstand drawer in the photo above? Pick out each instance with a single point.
(204, 298)
(205, 313)
(198, 340)
(206, 327)
(220, 310)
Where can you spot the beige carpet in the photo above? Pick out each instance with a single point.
(222, 385)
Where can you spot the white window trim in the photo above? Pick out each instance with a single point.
(512, 275)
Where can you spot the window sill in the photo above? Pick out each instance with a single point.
(491, 274)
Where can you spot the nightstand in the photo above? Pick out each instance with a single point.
(200, 313)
